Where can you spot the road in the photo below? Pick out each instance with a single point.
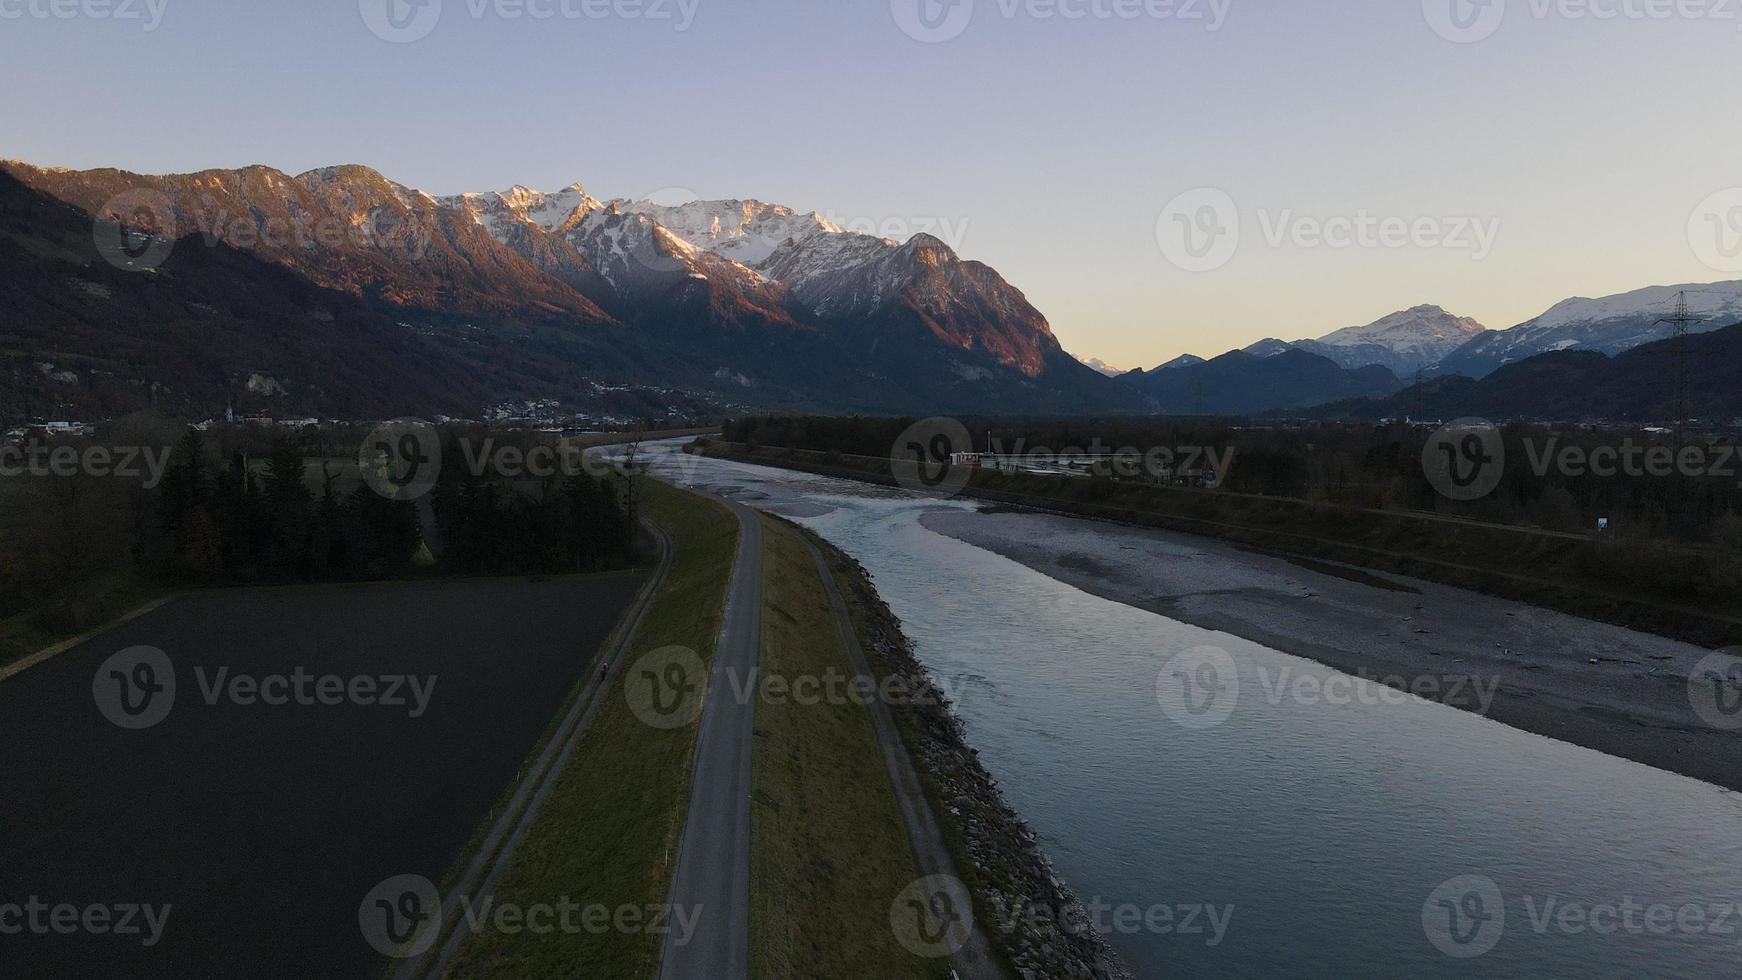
(974, 961)
(713, 861)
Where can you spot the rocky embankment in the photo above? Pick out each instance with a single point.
(1027, 913)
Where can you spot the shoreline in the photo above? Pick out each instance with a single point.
(1602, 687)
(1003, 863)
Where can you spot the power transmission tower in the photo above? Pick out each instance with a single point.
(1681, 320)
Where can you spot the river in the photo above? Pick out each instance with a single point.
(1316, 825)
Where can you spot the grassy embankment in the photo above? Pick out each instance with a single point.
(1643, 585)
(608, 833)
(829, 849)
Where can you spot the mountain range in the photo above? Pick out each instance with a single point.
(1403, 343)
(1639, 385)
(1430, 341)
(339, 292)
(730, 303)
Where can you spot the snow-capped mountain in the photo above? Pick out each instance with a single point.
(1419, 337)
(747, 232)
(774, 300)
(1610, 325)
(1102, 367)
(1403, 342)
(1182, 361)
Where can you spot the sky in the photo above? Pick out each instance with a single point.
(1158, 176)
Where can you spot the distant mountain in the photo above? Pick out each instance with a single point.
(1270, 347)
(1184, 360)
(1637, 385)
(754, 304)
(1102, 367)
(1241, 383)
(1609, 325)
(217, 327)
(1403, 342)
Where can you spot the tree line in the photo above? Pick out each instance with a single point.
(232, 510)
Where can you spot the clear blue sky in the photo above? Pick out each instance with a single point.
(1048, 146)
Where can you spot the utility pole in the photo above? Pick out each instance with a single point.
(1681, 320)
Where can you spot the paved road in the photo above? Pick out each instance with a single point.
(974, 961)
(713, 861)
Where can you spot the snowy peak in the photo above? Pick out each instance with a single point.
(1715, 301)
(1182, 361)
(747, 232)
(1610, 325)
(554, 212)
(1403, 342)
(1423, 329)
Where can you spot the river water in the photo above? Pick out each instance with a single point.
(1352, 833)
